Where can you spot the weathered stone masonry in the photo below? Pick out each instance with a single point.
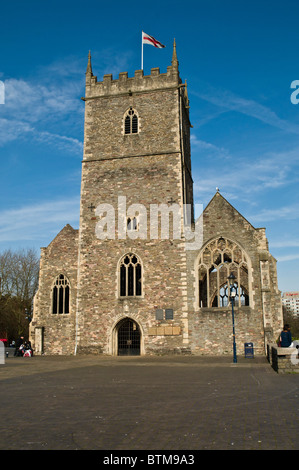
(148, 164)
(211, 328)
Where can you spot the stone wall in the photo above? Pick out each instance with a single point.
(283, 360)
(145, 168)
(211, 331)
(211, 328)
(60, 257)
(144, 180)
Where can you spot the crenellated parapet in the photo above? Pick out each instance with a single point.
(129, 85)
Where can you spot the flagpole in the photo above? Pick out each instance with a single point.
(141, 50)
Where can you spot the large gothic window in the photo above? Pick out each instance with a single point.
(131, 122)
(130, 276)
(217, 261)
(61, 295)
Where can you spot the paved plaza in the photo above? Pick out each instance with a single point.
(147, 403)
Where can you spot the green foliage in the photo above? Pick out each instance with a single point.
(293, 321)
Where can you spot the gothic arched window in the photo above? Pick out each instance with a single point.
(61, 295)
(130, 276)
(217, 261)
(131, 122)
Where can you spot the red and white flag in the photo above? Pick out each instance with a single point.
(147, 39)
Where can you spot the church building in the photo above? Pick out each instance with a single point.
(141, 276)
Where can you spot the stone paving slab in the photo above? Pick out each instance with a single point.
(146, 403)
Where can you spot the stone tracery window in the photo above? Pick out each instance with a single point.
(61, 295)
(130, 276)
(217, 261)
(131, 122)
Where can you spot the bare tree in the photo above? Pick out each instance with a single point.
(18, 284)
(19, 273)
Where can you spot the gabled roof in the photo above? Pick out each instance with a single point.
(67, 231)
(218, 198)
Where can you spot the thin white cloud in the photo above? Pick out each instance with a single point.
(17, 130)
(227, 100)
(291, 257)
(201, 145)
(47, 109)
(47, 106)
(244, 177)
(290, 212)
(60, 141)
(29, 222)
(12, 130)
(284, 243)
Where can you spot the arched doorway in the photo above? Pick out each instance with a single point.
(128, 338)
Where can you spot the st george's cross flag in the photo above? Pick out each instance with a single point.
(147, 39)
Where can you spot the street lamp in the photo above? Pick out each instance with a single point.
(231, 280)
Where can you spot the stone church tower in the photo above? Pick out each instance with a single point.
(129, 281)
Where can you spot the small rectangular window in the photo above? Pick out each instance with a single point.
(131, 275)
(168, 314)
(60, 301)
(54, 309)
(128, 125)
(123, 279)
(134, 124)
(66, 299)
(159, 314)
(138, 279)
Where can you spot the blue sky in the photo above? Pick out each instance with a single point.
(239, 59)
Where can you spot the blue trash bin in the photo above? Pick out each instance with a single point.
(248, 347)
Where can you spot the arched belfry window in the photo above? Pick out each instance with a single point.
(131, 122)
(130, 276)
(217, 261)
(61, 295)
